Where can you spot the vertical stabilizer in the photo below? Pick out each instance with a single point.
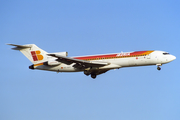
(32, 52)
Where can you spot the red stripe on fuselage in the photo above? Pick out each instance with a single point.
(137, 52)
(96, 56)
(111, 55)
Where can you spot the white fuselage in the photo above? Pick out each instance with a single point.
(116, 61)
(91, 65)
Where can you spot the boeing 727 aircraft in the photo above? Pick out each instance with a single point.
(94, 64)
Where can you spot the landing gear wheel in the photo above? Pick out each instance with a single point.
(93, 76)
(86, 72)
(158, 68)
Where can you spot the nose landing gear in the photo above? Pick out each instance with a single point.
(158, 66)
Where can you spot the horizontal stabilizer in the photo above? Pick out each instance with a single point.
(19, 47)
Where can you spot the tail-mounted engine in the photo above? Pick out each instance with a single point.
(54, 62)
(51, 63)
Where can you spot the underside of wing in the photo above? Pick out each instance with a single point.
(98, 72)
(78, 63)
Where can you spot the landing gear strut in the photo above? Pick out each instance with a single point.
(93, 76)
(158, 66)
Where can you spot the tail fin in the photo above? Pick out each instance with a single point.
(32, 52)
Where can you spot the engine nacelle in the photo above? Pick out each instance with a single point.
(61, 53)
(52, 63)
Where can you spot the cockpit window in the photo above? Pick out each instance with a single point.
(165, 53)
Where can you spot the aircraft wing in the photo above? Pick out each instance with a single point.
(78, 63)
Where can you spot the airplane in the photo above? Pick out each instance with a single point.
(92, 64)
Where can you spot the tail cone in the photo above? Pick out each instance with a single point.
(31, 67)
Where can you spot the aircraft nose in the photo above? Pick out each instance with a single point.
(173, 57)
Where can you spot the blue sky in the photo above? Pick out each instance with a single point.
(85, 28)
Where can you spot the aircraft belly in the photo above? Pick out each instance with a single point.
(59, 68)
(111, 66)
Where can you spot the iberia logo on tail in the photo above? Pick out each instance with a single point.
(36, 55)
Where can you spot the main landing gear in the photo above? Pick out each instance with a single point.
(93, 76)
(87, 73)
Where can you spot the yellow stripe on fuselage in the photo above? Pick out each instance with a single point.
(148, 52)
